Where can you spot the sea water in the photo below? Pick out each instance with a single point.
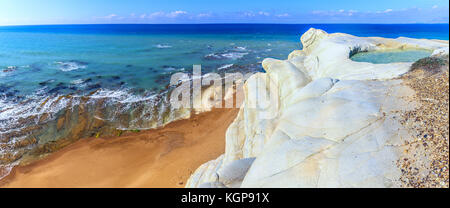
(59, 83)
(394, 56)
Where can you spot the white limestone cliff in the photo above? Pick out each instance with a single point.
(330, 122)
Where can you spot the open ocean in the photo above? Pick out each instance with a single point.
(119, 74)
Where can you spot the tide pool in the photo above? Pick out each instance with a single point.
(385, 57)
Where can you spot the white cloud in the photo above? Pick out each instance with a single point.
(110, 16)
(317, 16)
(318, 12)
(435, 7)
(385, 11)
(264, 13)
(160, 14)
(249, 14)
(156, 14)
(204, 15)
(176, 14)
(282, 15)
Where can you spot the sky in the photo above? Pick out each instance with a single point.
(35, 12)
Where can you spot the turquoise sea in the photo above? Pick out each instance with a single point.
(75, 81)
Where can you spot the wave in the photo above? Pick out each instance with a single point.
(228, 55)
(240, 48)
(71, 65)
(77, 82)
(226, 66)
(237, 52)
(47, 120)
(42, 123)
(163, 46)
(9, 69)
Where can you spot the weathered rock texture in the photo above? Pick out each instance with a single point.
(329, 121)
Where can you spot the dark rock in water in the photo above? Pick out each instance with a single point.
(118, 85)
(129, 65)
(60, 84)
(168, 66)
(99, 76)
(162, 79)
(93, 87)
(35, 68)
(115, 77)
(8, 70)
(9, 94)
(44, 83)
(73, 88)
(4, 88)
(138, 90)
(88, 80)
(57, 89)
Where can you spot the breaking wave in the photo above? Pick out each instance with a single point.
(163, 46)
(42, 123)
(70, 65)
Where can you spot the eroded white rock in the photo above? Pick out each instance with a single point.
(332, 122)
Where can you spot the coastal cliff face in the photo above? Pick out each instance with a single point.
(330, 121)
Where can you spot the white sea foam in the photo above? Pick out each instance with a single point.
(77, 81)
(163, 46)
(7, 71)
(70, 65)
(226, 66)
(33, 107)
(170, 69)
(229, 55)
(234, 55)
(239, 48)
(121, 96)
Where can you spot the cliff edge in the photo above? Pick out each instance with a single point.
(326, 121)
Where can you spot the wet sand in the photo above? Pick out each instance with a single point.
(164, 157)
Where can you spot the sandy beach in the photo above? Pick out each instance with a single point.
(164, 157)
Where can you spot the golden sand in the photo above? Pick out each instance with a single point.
(164, 157)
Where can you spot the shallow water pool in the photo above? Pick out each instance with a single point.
(386, 57)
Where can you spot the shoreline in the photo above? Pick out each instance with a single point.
(163, 157)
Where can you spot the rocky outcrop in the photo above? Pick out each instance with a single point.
(319, 119)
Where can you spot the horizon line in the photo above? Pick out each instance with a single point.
(56, 24)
